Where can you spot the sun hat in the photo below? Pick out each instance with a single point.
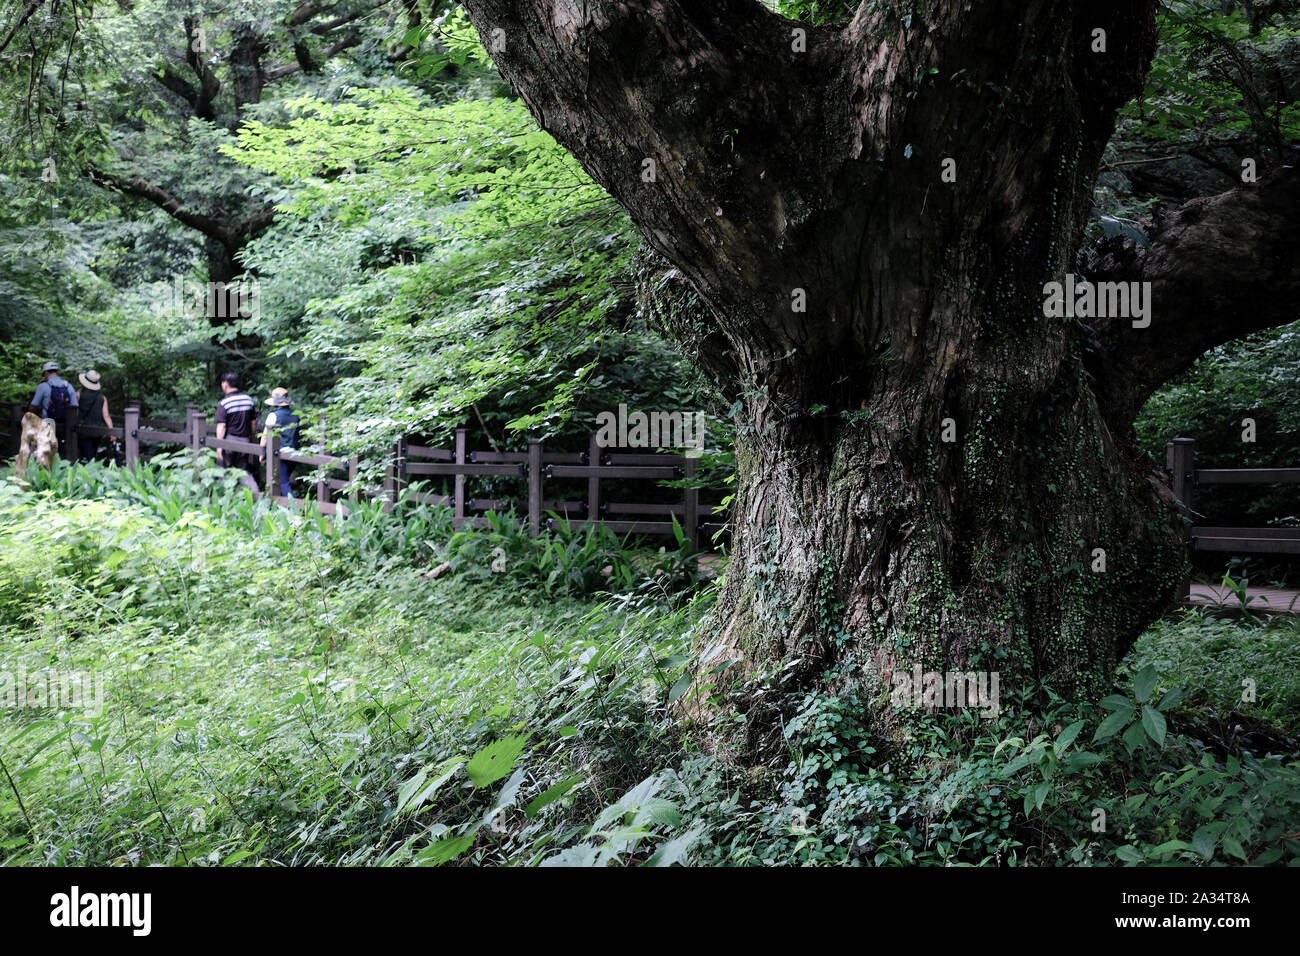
(279, 396)
(90, 379)
(50, 367)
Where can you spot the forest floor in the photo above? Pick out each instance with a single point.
(290, 697)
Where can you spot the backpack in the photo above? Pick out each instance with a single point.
(287, 423)
(60, 401)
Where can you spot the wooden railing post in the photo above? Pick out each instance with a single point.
(323, 471)
(272, 451)
(534, 487)
(353, 468)
(71, 448)
(1180, 462)
(394, 475)
(193, 432)
(130, 437)
(323, 482)
(692, 503)
(593, 482)
(458, 492)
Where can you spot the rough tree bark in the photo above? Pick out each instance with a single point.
(771, 162)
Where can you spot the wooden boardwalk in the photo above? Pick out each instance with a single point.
(1273, 600)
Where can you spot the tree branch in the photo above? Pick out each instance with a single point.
(171, 78)
(173, 205)
(209, 85)
(26, 15)
(1220, 267)
(326, 52)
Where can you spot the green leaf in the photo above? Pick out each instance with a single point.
(1172, 698)
(551, 795)
(1112, 725)
(1271, 855)
(1153, 722)
(674, 851)
(1068, 735)
(1232, 847)
(1117, 702)
(1134, 736)
(409, 795)
(1129, 854)
(1015, 765)
(444, 850)
(1203, 842)
(495, 761)
(1040, 793)
(1080, 759)
(1170, 846)
(1144, 683)
(406, 792)
(679, 688)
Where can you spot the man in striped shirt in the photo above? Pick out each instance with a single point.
(236, 419)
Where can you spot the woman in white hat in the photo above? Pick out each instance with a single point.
(93, 408)
(284, 421)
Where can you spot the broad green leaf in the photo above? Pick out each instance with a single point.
(551, 795)
(408, 799)
(1153, 722)
(1144, 682)
(1232, 847)
(1172, 698)
(495, 761)
(679, 688)
(1112, 725)
(1040, 793)
(1117, 702)
(1129, 854)
(1068, 735)
(1080, 759)
(1017, 764)
(1170, 846)
(444, 850)
(1203, 842)
(1134, 736)
(674, 851)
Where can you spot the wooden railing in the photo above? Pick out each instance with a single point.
(336, 477)
(1185, 478)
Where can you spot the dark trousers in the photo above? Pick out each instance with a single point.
(245, 462)
(286, 487)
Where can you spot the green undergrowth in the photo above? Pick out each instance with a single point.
(277, 691)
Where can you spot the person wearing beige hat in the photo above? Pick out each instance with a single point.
(92, 405)
(284, 421)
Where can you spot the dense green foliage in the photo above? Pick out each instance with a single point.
(289, 688)
(285, 689)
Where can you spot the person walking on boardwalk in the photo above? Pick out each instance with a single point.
(285, 420)
(93, 408)
(53, 398)
(236, 420)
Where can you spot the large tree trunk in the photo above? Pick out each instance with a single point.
(789, 172)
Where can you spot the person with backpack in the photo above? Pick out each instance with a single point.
(53, 398)
(92, 405)
(285, 421)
